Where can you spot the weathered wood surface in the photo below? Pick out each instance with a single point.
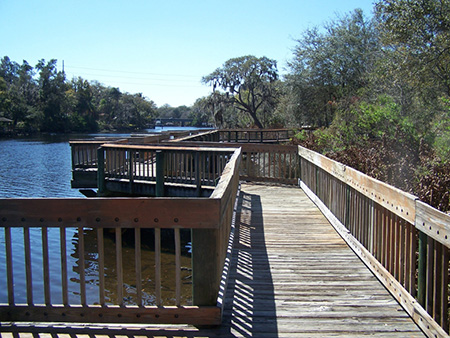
(291, 276)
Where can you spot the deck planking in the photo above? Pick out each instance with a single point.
(291, 275)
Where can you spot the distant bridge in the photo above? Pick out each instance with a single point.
(172, 122)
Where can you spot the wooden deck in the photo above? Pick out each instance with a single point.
(291, 276)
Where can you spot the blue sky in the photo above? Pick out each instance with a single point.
(158, 48)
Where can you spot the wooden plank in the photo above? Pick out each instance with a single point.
(81, 266)
(119, 267)
(9, 266)
(28, 264)
(115, 314)
(63, 249)
(101, 266)
(177, 267)
(158, 267)
(110, 212)
(46, 265)
(433, 222)
(137, 263)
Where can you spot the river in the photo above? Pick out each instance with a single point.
(41, 167)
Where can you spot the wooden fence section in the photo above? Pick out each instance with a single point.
(84, 152)
(196, 167)
(402, 240)
(208, 218)
(262, 162)
(270, 163)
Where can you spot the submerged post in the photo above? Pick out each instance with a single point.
(159, 173)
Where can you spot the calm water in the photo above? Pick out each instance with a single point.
(41, 167)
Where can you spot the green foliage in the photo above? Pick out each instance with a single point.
(419, 31)
(441, 131)
(331, 65)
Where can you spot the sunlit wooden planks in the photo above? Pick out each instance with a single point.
(292, 275)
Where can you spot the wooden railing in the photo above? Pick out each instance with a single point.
(262, 162)
(270, 163)
(243, 136)
(84, 152)
(200, 166)
(404, 241)
(29, 253)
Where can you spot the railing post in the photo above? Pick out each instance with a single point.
(159, 173)
(101, 171)
(131, 169)
(205, 266)
(422, 269)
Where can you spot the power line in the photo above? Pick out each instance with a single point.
(132, 72)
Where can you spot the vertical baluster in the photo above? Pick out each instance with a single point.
(410, 259)
(402, 258)
(138, 259)
(437, 277)
(101, 266)
(29, 277)
(444, 287)
(119, 267)
(177, 266)
(429, 276)
(9, 266)
(214, 167)
(158, 266)
(45, 261)
(82, 266)
(63, 249)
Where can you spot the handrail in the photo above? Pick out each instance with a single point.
(198, 167)
(404, 241)
(208, 218)
(242, 136)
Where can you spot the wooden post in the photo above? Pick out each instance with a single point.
(422, 269)
(131, 168)
(159, 173)
(101, 171)
(205, 267)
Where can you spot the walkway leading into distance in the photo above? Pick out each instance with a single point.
(291, 275)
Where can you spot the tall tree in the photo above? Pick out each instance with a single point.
(331, 65)
(419, 31)
(51, 96)
(248, 84)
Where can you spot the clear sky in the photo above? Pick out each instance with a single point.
(159, 48)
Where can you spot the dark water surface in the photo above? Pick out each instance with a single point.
(41, 167)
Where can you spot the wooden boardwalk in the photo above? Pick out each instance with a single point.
(291, 276)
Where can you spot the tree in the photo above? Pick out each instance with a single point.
(248, 83)
(52, 89)
(419, 31)
(331, 66)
